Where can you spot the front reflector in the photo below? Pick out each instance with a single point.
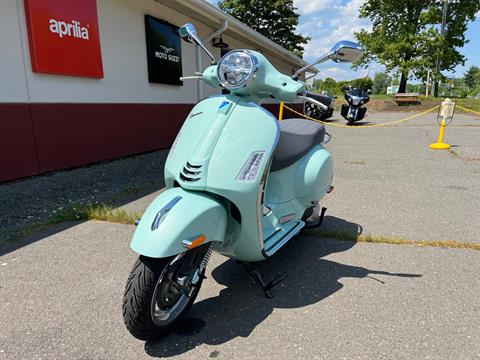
(192, 243)
(249, 170)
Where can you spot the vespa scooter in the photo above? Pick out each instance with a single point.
(238, 182)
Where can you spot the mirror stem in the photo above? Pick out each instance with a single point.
(320, 60)
(200, 43)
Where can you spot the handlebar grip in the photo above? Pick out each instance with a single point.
(196, 77)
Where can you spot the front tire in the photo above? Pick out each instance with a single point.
(160, 292)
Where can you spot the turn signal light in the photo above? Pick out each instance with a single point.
(190, 244)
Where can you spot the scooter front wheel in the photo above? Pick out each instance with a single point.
(160, 292)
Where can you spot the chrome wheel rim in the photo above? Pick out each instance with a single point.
(172, 294)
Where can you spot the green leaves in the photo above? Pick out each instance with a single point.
(275, 19)
(406, 34)
(472, 78)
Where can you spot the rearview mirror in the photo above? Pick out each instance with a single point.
(343, 52)
(346, 52)
(188, 33)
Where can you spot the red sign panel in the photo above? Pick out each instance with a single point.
(64, 37)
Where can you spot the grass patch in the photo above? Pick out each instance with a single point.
(97, 211)
(100, 212)
(392, 240)
(472, 104)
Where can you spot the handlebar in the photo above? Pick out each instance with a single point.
(195, 77)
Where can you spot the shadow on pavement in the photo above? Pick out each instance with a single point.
(241, 306)
(362, 123)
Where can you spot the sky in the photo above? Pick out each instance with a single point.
(329, 21)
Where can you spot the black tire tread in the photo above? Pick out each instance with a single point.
(138, 296)
(137, 299)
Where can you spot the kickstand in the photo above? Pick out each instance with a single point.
(258, 278)
(318, 223)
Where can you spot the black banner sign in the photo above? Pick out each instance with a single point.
(164, 52)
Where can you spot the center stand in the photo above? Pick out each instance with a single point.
(257, 277)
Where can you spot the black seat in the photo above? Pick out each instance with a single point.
(297, 137)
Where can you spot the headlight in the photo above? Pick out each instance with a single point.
(236, 68)
(356, 100)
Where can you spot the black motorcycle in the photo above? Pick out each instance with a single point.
(354, 110)
(315, 110)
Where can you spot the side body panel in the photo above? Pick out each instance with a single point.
(295, 188)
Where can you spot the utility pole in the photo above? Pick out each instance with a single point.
(428, 83)
(442, 32)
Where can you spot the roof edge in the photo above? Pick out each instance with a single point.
(205, 8)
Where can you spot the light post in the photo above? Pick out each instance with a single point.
(442, 33)
(428, 83)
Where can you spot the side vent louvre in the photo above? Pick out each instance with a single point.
(191, 173)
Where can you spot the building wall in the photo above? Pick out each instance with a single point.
(50, 122)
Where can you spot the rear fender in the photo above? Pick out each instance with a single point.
(177, 215)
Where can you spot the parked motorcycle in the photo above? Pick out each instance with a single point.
(238, 182)
(356, 99)
(319, 112)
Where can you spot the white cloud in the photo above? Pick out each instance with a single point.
(328, 22)
(329, 25)
(309, 6)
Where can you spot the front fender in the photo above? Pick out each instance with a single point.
(177, 215)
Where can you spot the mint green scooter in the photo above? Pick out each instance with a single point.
(239, 182)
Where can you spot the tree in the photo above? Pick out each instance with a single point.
(405, 35)
(380, 83)
(329, 85)
(275, 19)
(470, 76)
(365, 83)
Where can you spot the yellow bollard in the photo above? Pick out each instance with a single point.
(440, 145)
(280, 112)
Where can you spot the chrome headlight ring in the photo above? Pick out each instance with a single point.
(236, 68)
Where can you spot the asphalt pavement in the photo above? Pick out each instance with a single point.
(61, 288)
(61, 299)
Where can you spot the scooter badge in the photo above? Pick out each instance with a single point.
(224, 107)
